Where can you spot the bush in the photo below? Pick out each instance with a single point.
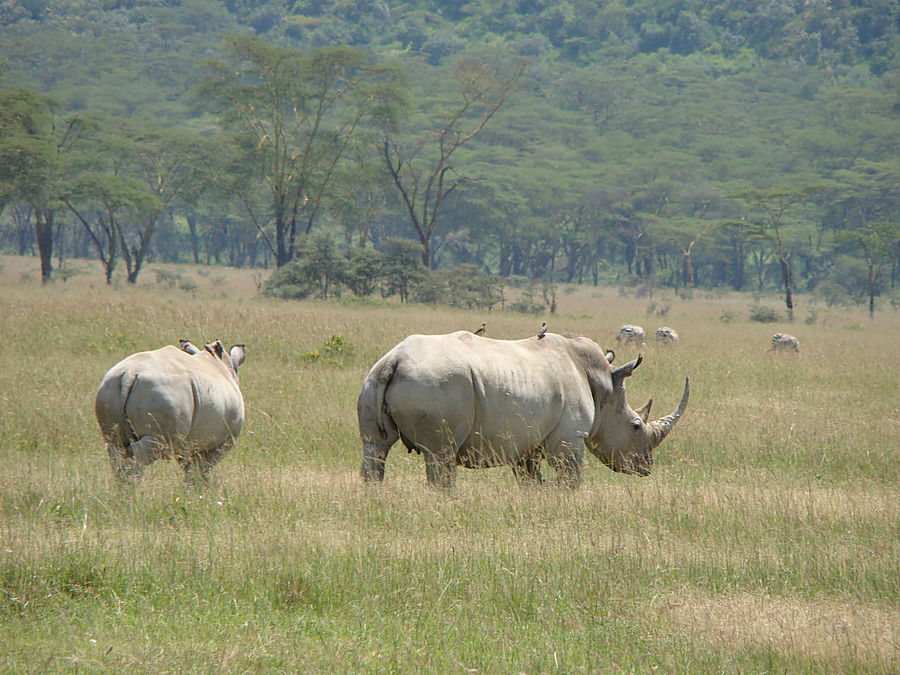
(403, 267)
(316, 271)
(470, 288)
(763, 314)
(430, 288)
(727, 317)
(526, 304)
(333, 351)
(363, 270)
(188, 285)
(167, 278)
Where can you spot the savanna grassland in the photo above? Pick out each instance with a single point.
(767, 539)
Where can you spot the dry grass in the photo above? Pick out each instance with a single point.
(821, 630)
(766, 539)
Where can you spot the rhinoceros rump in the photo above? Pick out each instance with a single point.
(170, 402)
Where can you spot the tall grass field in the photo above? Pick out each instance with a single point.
(767, 538)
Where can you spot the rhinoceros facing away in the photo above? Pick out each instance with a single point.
(185, 403)
(471, 401)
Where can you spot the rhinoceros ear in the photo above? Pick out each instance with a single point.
(620, 373)
(610, 356)
(237, 354)
(644, 411)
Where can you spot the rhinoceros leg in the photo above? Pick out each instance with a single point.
(375, 452)
(196, 465)
(528, 469)
(125, 469)
(147, 449)
(566, 458)
(440, 466)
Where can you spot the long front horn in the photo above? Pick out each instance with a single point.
(664, 425)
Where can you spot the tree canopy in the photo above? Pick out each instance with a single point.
(570, 141)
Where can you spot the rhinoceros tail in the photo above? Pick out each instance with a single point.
(382, 378)
(124, 428)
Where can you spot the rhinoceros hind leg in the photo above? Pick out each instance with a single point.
(147, 449)
(125, 469)
(375, 452)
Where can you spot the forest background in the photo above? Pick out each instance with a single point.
(411, 148)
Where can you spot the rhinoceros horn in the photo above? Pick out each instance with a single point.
(664, 425)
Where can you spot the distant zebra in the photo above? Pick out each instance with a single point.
(781, 341)
(666, 336)
(629, 333)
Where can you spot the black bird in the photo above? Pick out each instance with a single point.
(187, 346)
(543, 330)
(481, 328)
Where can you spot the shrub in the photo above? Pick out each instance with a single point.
(167, 278)
(316, 271)
(402, 269)
(363, 270)
(469, 287)
(188, 285)
(727, 317)
(333, 351)
(526, 304)
(763, 314)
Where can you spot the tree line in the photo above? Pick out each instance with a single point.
(688, 163)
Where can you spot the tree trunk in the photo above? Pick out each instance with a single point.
(281, 254)
(872, 289)
(195, 239)
(788, 285)
(43, 232)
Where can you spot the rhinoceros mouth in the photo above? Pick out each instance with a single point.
(635, 467)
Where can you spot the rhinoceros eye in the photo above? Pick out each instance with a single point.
(636, 424)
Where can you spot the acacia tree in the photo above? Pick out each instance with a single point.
(172, 166)
(774, 204)
(422, 167)
(33, 153)
(99, 202)
(296, 113)
(877, 242)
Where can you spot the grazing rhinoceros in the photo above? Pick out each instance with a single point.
(184, 403)
(783, 341)
(477, 402)
(666, 336)
(630, 333)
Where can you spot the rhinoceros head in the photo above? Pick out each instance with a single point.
(623, 438)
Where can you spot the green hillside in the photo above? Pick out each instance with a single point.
(683, 144)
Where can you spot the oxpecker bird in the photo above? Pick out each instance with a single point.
(187, 346)
(481, 328)
(543, 330)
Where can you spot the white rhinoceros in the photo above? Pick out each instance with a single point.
(471, 401)
(185, 403)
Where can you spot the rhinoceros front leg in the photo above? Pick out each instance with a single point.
(196, 466)
(528, 469)
(566, 458)
(440, 467)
